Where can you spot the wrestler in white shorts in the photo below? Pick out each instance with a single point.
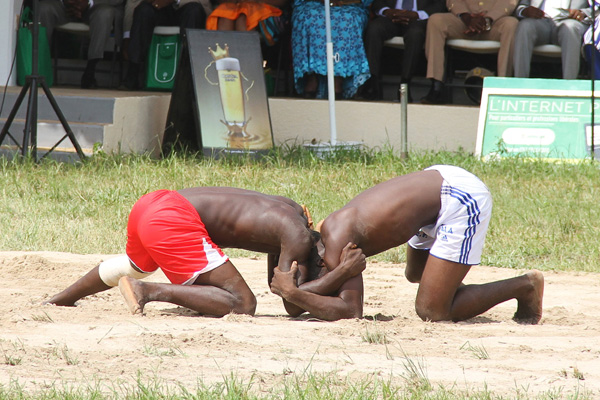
(458, 235)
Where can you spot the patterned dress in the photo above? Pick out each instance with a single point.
(309, 42)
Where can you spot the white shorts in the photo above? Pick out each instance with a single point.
(458, 235)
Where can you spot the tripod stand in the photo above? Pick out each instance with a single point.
(28, 147)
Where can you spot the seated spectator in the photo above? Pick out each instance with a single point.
(348, 21)
(101, 15)
(142, 16)
(544, 22)
(233, 15)
(591, 47)
(406, 18)
(475, 20)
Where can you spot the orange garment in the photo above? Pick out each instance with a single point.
(255, 12)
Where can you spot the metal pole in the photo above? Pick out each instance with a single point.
(404, 120)
(32, 113)
(593, 73)
(330, 74)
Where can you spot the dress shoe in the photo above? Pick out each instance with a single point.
(370, 90)
(132, 78)
(311, 94)
(434, 97)
(88, 81)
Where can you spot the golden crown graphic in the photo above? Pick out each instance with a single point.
(219, 52)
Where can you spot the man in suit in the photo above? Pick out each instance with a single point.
(103, 16)
(561, 22)
(406, 18)
(142, 16)
(468, 19)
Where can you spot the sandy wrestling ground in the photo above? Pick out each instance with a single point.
(100, 340)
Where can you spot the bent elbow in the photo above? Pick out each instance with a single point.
(293, 310)
(349, 313)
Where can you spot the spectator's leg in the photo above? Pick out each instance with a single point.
(529, 33)
(439, 28)
(593, 60)
(503, 30)
(569, 38)
(145, 18)
(225, 24)
(101, 18)
(378, 30)
(52, 13)
(241, 23)
(192, 16)
(414, 40)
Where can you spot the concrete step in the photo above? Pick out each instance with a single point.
(75, 108)
(111, 120)
(49, 133)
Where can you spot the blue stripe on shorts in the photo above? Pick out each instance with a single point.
(473, 212)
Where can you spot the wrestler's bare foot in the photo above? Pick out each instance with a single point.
(58, 301)
(132, 291)
(529, 310)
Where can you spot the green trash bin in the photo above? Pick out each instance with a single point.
(163, 58)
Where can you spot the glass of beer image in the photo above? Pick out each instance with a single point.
(231, 91)
(232, 95)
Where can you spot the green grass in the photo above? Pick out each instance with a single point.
(544, 214)
(545, 217)
(307, 386)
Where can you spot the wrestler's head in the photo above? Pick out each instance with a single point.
(316, 266)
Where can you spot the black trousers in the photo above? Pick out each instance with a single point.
(146, 18)
(381, 29)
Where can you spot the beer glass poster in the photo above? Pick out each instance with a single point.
(231, 92)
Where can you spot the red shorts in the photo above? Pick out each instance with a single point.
(165, 231)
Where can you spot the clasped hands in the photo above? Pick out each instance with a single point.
(403, 17)
(475, 23)
(76, 8)
(352, 263)
(536, 13)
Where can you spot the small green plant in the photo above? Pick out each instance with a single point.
(375, 335)
(154, 351)
(478, 352)
(42, 318)
(563, 373)
(10, 359)
(13, 356)
(415, 374)
(63, 352)
(578, 374)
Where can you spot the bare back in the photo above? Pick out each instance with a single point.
(384, 216)
(251, 220)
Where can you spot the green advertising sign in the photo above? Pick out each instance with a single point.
(545, 118)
